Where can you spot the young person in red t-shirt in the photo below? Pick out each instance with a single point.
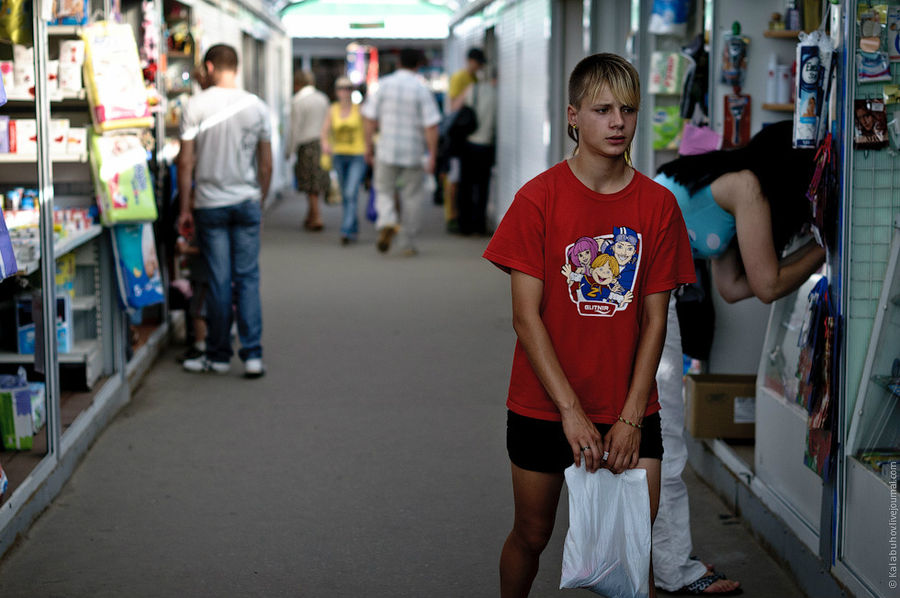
(583, 377)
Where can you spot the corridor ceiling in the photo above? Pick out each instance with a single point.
(374, 19)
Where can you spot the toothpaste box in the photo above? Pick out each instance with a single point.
(76, 144)
(59, 136)
(70, 79)
(23, 136)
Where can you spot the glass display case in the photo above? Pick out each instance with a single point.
(782, 422)
(872, 450)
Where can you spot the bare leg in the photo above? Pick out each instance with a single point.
(313, 219)
(653, 467)
(536, 497)
(199, 330)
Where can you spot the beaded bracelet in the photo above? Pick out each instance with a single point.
(632, 424)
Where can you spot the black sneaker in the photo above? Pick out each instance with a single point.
(191, 353)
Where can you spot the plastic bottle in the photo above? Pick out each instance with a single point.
(792, 16)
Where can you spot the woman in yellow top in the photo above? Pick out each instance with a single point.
(342, 139)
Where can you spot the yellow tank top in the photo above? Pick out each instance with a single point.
(347, 132)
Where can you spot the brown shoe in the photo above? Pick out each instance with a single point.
(385, 236)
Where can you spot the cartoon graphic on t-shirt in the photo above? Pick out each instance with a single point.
(584, 251)
(604, 285)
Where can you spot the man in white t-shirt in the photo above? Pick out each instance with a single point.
(406, 116)
(226, 160)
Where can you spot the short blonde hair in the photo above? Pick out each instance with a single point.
(600, 71)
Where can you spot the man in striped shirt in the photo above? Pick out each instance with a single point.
(405, 115)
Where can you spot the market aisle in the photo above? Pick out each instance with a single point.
(369, 461)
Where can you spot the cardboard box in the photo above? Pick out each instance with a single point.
(77, 141)
(721, 405)
(26, 330)
(70, 81)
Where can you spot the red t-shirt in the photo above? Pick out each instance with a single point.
(598, 255)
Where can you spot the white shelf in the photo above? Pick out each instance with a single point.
(31, 159)
(82, 352)
(84, 303)
(64, 30)
(63, 247)
(81, 94)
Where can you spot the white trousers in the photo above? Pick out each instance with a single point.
(672, 565)
(410, 182)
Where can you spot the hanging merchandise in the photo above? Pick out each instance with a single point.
(696, 81)
(112, 72)
(698, 140)
(15, 21)
(815, 371)
(667, 72)
(121, 179)
(2, 92)
(870, 123)
(893, 33)
(69, 12)
(8, 266)
(667, 125)
(736, 129)
(734, 57)
(669, 17)
(137, 266)
(822, 194)
(815, 62)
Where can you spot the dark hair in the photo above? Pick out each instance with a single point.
(784, 174)
(411, 58)
(223, 57)
(476, 54)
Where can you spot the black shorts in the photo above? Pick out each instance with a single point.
(540, 445)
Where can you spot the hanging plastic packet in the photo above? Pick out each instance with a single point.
(669, 17)
(893, 33)
(870, 122)
(734, 56)
(894, 131)
(872, 67)
(736, 127)
(2, 92)
(814, 64)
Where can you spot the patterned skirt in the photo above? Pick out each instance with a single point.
(310, 176)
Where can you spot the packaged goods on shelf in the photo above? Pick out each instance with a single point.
(113, 78)
(71, 51)
(667, 72)
(122, 179)
(4, 134)
(59, 136)
(23, 136)
(8, 75)
(70, 12)
(70, 81)
(25, 323)
(76, 141)
(38, 405)
(8, 264)
(65, 275)
(16, 420)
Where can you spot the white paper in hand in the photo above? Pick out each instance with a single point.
(607, 548)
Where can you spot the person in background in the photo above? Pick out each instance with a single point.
(226, 157)
(567, 404)
(741, 207)
(343, 139)
(406, 116)
(477, 159)
(309, 107)
(460, 82)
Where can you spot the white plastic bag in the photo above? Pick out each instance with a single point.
(607, 549)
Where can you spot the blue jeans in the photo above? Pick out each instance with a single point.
(350, 170)
(229, 242)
